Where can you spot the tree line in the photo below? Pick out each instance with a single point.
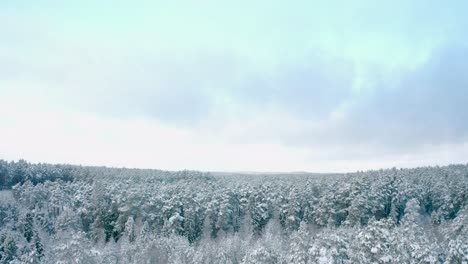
(63, 213)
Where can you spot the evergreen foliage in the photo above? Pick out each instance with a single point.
(75, 214)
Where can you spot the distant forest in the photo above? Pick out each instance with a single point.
(79, 214)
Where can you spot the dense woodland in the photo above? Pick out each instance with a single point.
(75, 214)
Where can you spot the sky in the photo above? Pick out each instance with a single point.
(319, 86)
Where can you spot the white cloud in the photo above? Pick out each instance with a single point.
(44, 136)
(311, 92)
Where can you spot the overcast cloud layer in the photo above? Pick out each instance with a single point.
(248, 86)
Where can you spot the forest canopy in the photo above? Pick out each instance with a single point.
(80, 214)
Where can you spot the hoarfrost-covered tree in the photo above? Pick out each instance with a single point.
(259, 212)
(299, 246)
(330, 246)
(36, 251)
(8, 248)
(73, 249)
(411, 242)
(373, 243)
(457, 239)
(261, 255)
(129, 232)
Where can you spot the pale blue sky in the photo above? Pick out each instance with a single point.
(246, 85)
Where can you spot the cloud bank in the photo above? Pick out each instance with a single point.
(201, 88)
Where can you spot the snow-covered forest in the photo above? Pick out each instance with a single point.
(75, 214)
